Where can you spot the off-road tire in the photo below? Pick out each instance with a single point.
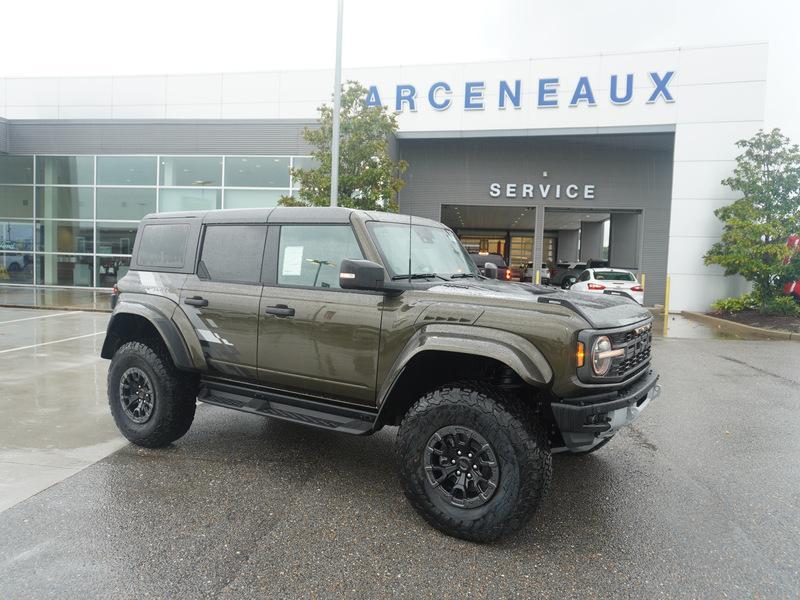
(591, 450)
(519, 444)
(175, 394)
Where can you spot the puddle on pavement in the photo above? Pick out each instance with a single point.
(681, 327)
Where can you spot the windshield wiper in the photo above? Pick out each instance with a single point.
(418, 276)
(462, 275)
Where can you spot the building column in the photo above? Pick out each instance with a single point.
(591, 240)
(538, 238)
(623, 244)
(567, 250)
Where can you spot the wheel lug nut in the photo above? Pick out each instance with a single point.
(453, 461)
(469, 475)
(469, 455)
(459, 452)
(474, 466)
(458, 472)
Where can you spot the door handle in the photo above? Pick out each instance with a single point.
(196, 301)
(279, 310)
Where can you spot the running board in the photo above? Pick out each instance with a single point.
(269, 403)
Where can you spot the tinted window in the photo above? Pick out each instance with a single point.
(613, 276)
(191, 170)
(311, 255)
(126, 170)
(232, 253)
(65, 170)
(16, 169)
(125, 203)
(584, 276)
(257, 171)
(482, 259)
(163, 246)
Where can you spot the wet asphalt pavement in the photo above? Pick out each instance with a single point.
(699, 498)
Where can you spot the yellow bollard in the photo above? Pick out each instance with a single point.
(643, 276)
(666, 307)
(538, 277)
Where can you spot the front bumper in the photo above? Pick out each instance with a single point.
(585, 421)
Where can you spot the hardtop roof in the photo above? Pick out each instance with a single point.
(293, 214)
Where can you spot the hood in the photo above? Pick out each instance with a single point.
(601, 311)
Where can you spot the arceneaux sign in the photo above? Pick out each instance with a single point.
(440, 95)
(543, 191)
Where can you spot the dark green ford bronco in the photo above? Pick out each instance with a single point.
(351, 321)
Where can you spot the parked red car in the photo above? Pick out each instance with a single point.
(792, 288)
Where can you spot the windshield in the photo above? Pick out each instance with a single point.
(613, 276)
(433, 250)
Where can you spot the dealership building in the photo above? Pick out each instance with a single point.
(545, 160)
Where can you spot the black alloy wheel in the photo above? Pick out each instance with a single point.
(137, 396)
(462, 466)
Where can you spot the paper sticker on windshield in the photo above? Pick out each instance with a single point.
(292, 261)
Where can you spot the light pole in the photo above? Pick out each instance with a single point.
(337, 102)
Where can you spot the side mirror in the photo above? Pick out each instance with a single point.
(363, 275)
(490, 270)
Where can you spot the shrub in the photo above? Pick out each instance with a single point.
(782, 305)
(736, 305)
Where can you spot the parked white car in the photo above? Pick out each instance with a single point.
(601, 280)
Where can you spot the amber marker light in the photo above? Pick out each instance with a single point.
(580, 354)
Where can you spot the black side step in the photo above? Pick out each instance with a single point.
(270, 403)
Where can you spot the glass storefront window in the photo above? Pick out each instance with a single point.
(16, 236)
(64, 203)
(110, 269)
(16, 169)
(125, 204)
(64, 236)
(257, 171)
(116, 238)
(65, 170)
(16, 267)
(191, 171)
(16, 202)
(173, 200)
(62, 269)
(253, 198)
(126, 170)
(73, 220)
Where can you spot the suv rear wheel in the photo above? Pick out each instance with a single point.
(473, 461)
(152, 402)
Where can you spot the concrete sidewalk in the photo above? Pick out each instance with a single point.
(61, 299)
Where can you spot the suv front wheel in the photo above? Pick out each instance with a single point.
(152, 402)
(474, 461)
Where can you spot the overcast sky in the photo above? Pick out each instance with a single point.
(88, 37)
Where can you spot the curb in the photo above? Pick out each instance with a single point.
(742, 329)
(56, 307)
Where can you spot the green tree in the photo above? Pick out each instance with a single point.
(757, 226)
(368, 176)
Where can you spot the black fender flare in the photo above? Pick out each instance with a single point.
(161, 322)
(513, 350)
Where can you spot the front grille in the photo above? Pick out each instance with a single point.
(636, 344)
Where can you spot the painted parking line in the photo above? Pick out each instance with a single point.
(77, 337)
(63, 314)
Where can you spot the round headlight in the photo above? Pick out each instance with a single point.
(601, 363)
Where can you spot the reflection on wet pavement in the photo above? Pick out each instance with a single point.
(52, 398)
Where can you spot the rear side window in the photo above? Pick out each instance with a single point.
(232, 253)
(163, 246)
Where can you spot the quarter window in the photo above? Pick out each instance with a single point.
(163, 246)
(311, 255)
(232, 253)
